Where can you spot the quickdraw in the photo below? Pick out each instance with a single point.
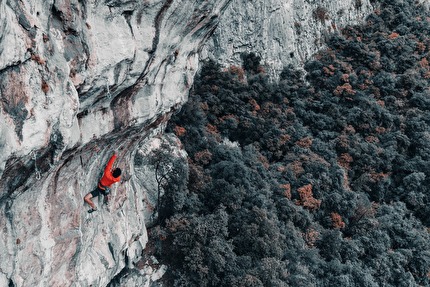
(33, 154)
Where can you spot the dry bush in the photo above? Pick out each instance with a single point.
(371, 139)
(344, 160)
(281, 168)
(329, 70)
(255, 105)
(283, 139)
(203, 157)
(378, 176)
(345, 88)
(238, 71)
(336, 220)
(345, 78)
(380, 103)
(264, 161)
(213, 130)
(311, 236)
(286, 190)
(380, 130)
(204, 106)
(304, 142)
(179, 131)
(307, 199)
(393, 35)
(296, 167)
(349, 130)
(424, 63)
(342, 143)
(421, 47)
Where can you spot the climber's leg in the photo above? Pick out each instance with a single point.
(88, 200)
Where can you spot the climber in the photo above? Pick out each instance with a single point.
(109, 177)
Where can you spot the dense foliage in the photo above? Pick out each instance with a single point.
(321, 179)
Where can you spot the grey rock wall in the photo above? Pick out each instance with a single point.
(72, 71)
(281, 32)
(78, 80)
(49, 239)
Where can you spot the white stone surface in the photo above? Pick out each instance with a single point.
(14, 49)
(87, 55)
(281, 32)
(53, 241)
(79, 79)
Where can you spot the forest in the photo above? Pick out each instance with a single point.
(319, 179)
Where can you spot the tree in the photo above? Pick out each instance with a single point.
(171, 177)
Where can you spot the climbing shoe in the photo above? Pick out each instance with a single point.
(92, 210)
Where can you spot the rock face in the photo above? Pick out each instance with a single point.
(80, 79)
(67, 65)
(281, 32)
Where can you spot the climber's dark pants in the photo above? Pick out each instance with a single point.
(96, 192)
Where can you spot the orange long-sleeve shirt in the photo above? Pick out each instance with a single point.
(108, 179)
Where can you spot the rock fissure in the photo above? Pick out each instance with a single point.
(15, 65)
(127, 15)
(7, 205)
(116, 280)
(157, 23)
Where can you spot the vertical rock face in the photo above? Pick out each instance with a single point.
(51, 240)
(280, 31)
(66, 65)
(80, 79)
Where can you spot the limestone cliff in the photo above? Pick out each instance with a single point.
(80, 79)
(280, 32)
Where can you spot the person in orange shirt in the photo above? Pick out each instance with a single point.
(109, 177)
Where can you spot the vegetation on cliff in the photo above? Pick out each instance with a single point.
(321, 179)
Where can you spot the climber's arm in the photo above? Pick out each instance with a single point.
(110, 164)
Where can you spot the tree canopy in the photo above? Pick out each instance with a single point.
(321, 179)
